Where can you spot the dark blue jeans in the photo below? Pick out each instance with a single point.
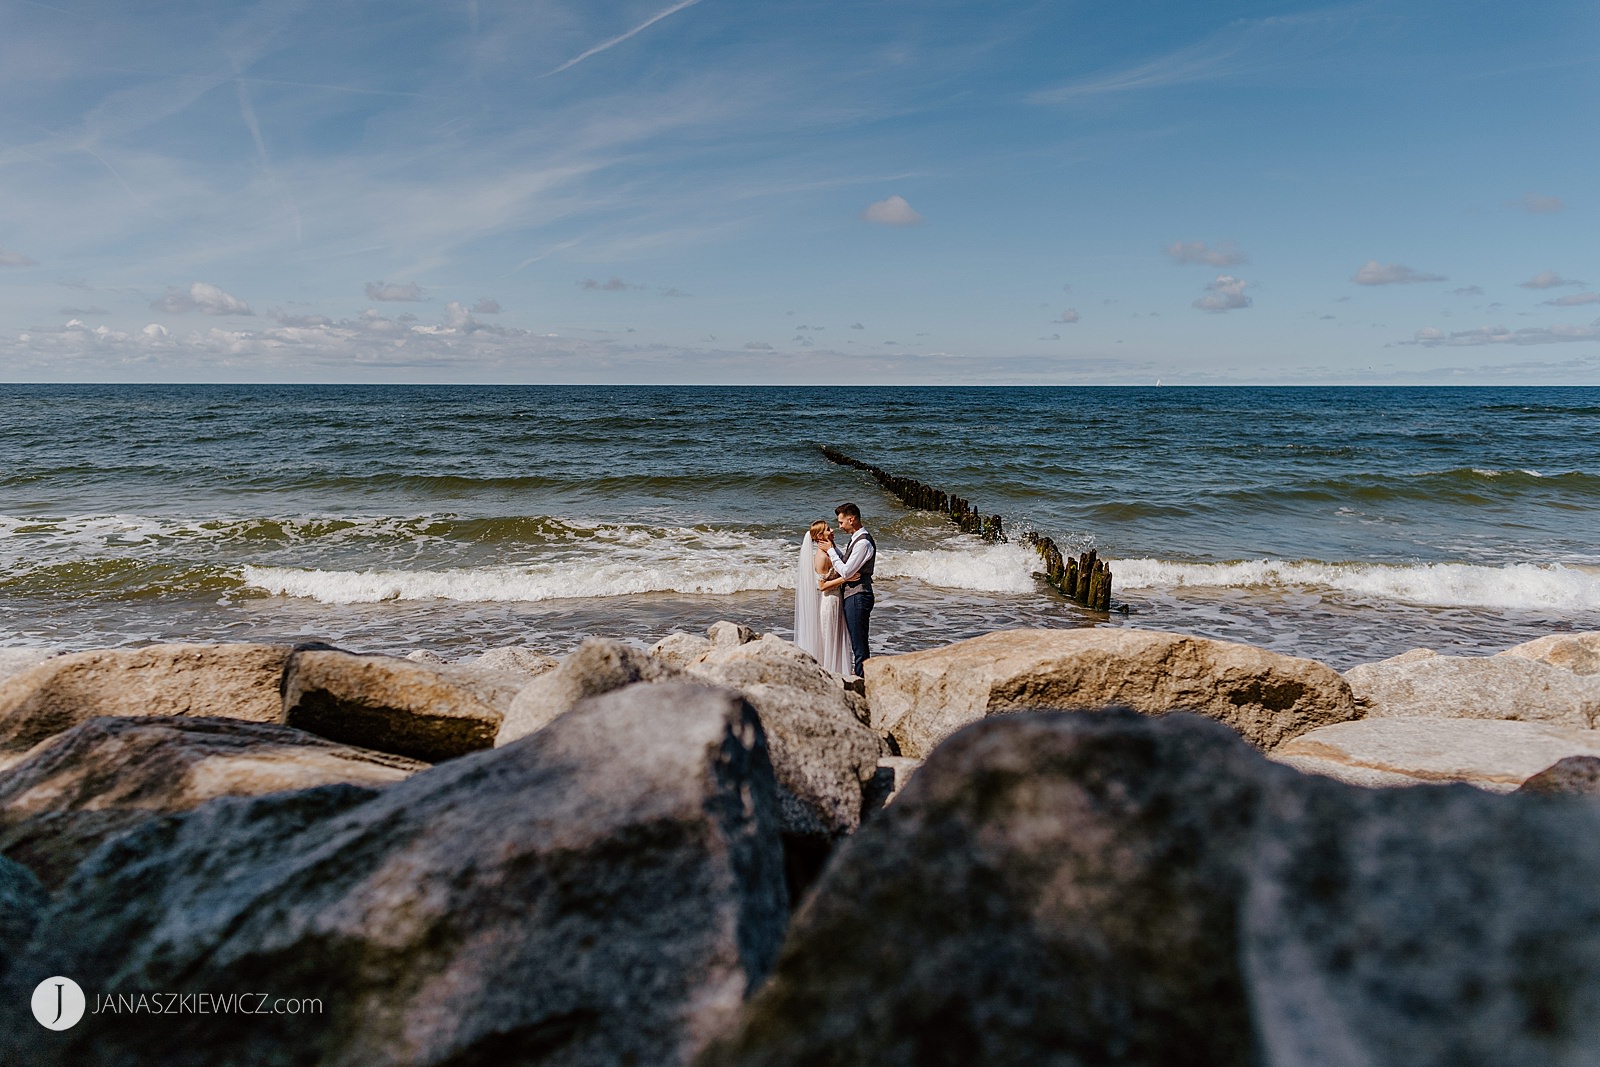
(857, 611)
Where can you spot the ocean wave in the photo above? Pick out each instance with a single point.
(1543, 587)
(988, 568)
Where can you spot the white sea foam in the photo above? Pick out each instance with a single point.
(992, 568)
(1548, 587)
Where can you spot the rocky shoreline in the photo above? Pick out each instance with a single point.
(1076, 846)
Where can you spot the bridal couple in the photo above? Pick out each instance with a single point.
(833, 592)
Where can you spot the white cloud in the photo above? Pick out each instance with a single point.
(1548, 279)
(614, 285)
(1468, 290)
(1226, 254)
(1375, 273)
(1574, 300)
(204, 298)
(486, 306)
(1542, 205)
(1069, 315)
(893, 211)
(12, 258)
(1500, 335)
(1225, 294)
(395, 291)
(757, 346)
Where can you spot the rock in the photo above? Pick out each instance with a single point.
(1476, 687)
(822, 752)
(1049, 888)
(515, 659)
(681, 650)
(1574, 776)
(1493, 755)
(923, 697)
(892, 775)
(726, 634)
(107, 775)
(238, 681)
(22, 900)
(1105, 888)
(424, 655)
(1578, 653)
(605, 891)
(395, 705)
(598, 665)
(17, 660)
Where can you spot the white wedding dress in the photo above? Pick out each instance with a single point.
(819, 617)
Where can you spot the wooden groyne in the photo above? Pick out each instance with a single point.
(1085, 580)
(926, 498)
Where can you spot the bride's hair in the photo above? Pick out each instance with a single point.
(817, 528)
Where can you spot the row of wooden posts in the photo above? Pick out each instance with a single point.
(1085, 580)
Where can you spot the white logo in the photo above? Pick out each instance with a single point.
(58, 1003)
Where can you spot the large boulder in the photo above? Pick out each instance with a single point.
(598, 665)
(822, 751)
(238, 681)
(514, 659)
(1490, 754)
(1422, 685)
(923, 697)
(1106, 888)
(681, 650)
(17, 660)
(1578, 653)
(105, 776)
(425, 711)
(605, 891)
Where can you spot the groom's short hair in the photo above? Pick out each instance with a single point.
(848, 509)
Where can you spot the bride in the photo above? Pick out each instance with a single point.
(818, 618)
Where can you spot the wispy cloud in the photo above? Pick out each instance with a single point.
(203, 297)
(1574, 300)
(395, 291)
(11, 258)
(1226, 293)
(1540, 204)
(1069, 315)
(1375, 273)
(1226, 254)
(892, 211)
(1548, 279)
(1245, 46)
(486, 306)
(612, 285)
(1432, 337)
(613, 42)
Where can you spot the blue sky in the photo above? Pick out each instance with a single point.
(710, 191)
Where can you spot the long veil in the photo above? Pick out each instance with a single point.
(807, 601)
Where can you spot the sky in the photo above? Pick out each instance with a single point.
(808, 192)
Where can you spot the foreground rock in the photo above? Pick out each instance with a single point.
(1572, 776)
(599, 665)
(923, 697)
(605, 891)
(1112, 889)
(411, 708)
(1493, 755)
(22, 900)
(1420, 684)
(16, 660)
(1578, 653)
(822, 752)
(106, 776)
(238, 681)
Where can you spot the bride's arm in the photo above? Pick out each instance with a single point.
(830, 583)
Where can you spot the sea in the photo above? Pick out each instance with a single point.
(1341, 524)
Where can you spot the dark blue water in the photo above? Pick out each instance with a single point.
(1338, 523)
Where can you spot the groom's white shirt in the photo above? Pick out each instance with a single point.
(860, 551)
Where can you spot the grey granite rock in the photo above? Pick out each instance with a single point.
(605, 891)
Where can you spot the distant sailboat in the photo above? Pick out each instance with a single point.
(1158, 381)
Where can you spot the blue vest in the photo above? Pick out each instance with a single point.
(862, 582)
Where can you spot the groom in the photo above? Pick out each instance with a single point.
(854, 565)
